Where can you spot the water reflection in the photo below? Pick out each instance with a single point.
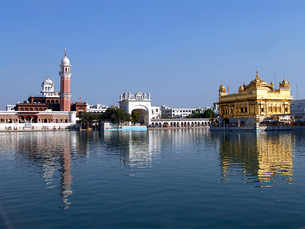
(137, 149)
(51, 153)
(133, 147)
(262, 156)
(66, 177)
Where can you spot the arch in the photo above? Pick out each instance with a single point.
(143, 116)
(165, 124)
(143, 111)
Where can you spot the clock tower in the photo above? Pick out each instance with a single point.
(65, 88)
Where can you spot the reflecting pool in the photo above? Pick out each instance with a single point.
(187, 178)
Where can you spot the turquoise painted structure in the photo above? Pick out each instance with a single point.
(128, 128)
(106, 126)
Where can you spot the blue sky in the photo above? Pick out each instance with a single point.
(179, 50)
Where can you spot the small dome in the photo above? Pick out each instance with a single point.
(65, 61)
(241, 88)
(139, 93)
(222, 88)
(284, 83)
(48, 81)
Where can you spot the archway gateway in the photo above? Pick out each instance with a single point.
(141, 116)
(139, 102)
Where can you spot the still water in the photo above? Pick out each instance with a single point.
(155, 179)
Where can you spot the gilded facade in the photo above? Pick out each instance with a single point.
(256, 100)
(262, 156)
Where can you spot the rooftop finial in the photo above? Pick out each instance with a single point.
(65, 52)
(257, 76)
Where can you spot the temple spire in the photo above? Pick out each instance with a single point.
(65, 52)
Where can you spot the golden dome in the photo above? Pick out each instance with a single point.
(284, 83)
(222, 88)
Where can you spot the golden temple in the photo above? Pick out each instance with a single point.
(257, 100)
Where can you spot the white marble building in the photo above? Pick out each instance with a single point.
(180, 112)
(39, 120)
(156, 113)
(48, 88)
(10, 107)
(97, 108)
(140, 102)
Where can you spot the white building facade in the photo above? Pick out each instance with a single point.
(42, 120)
(97, 108)
(48, 88)
(140, 102)
(155, 112)
(180, 112)
(10, 107)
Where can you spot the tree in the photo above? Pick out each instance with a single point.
(135, 117)
(209, 113)
(165, 116)
(115, 115)
(88, 119)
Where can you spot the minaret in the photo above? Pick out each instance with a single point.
(65, 89)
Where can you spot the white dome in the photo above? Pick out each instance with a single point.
(65, 61)
(48, 81)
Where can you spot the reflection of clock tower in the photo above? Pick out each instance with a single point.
(65, 89)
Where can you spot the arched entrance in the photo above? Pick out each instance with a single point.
(139, 102)
(141, 116)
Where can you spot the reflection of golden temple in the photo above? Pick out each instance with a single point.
(264, 156)
(275, 157)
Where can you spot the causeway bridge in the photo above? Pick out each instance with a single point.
(181, 123)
